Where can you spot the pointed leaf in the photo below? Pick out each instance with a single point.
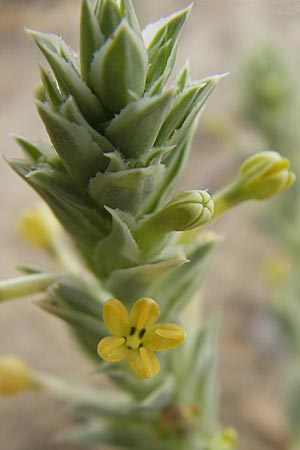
(135, 129)
(183, 77)
(128, 190)
(35, 150)
(119, 245)
(108, 15)
(77, 295)
(70, 81)
(81, 220)
(155, 154)
(197, 104)
(180, 107)
(119, 67)
(84, 323)
(82, 157)
(170, 29)
(70, 111)
(178, 287)
(53, 96)
(127, 10)
(90, 38)
(133, 282)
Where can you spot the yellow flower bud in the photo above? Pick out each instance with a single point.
(265, 174)
(15, 376)
(260, 176)
(39, 226)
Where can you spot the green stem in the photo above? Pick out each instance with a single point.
(26, 285)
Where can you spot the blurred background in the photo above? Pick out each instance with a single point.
(219, 37)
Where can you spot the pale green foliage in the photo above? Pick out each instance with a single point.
(120, 141)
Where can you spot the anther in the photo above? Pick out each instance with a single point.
(141, 333)
(132, 331)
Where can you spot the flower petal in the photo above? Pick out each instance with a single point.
(112, 348)
(164, 336)
(143, 362)
(115, 317)
(144, 313)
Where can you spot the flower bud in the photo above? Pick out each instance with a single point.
(15, 376)
(186, 210)
(260, 176)
(39, 226)
(265, 174)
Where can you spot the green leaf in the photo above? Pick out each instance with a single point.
(182, 138)
(71, 112)
(128, 190)
(90, 38)
(108, 15)
(180, 107)
(163, 46)
(77, 295)
(135, 129)
(70, 82)
(119, 68)
(119, 245)
(75, 212)
(155, 154)
(85, 324)
(198, 363)
(129, 434)
(183, 77)
(34, 150)
(176, 164)
(127, 10)
(53, 96)
(195, 107)
(82, 157)
(133, 282)
(178, 287)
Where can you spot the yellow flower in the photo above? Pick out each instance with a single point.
(15, 376)
(39, 226)
(136, 337)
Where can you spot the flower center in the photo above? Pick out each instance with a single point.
(134, 339)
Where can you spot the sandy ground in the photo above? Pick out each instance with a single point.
(216, 37)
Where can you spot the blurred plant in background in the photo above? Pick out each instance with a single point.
(268, 108)
(271, 105)
(120, 140)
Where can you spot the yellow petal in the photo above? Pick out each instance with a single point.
(144, 313)
(143, 362)
(112, 348)
(115, 317)
(164, 336)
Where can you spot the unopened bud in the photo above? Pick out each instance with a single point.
(264, 175)
(15, 376)
(186, 210)
(39, 226)
(260, 176)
